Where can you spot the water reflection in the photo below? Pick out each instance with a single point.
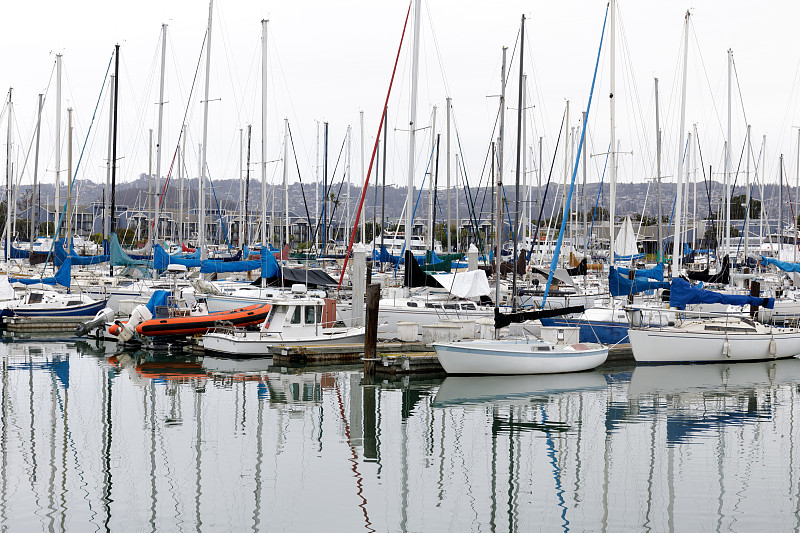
(96, 439)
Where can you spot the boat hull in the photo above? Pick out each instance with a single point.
(252, 343)
(665, 346)
(89, 309)
(501, 357)
(192, 325)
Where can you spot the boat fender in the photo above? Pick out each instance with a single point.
(115, 328)
(726, 348)
(773, 347)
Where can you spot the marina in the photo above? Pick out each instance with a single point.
(415, 266)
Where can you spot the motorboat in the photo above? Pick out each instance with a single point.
(299, 321)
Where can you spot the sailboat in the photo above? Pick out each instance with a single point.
(527, 355)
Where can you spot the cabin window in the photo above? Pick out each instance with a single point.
(296, 315)
(412, 304)
(319, 314)
(450, 306)
(35, 298)
(468, 307)
(309, 314)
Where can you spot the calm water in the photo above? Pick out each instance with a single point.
(90, 440)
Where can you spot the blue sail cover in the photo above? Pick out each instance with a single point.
(620, 285)
(120, 258)
(656, 273)
(63, 276)
(217, 265)
(269, 266)
(786, 267)
(682, 293)
(384, 256)
(633, 257)
(161, 259)
(60, 255)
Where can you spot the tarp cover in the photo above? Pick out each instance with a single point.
(786, 267)
(682, 293)
(120, 258)
(656, 273)
(471, 285)
(159, 298)
(229, 266)
(723, 276)
(63, 276)
(620, 285)
(312, 278)
(161, 259)
(384, 256)
(60, 254)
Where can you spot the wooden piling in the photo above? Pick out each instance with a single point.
(371, 333)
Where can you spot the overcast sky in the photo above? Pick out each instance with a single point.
(330, 60)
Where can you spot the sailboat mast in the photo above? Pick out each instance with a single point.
(8, 231)
(676, 244)
(796, 192)
(431, 191)
(57, 203)
(34, 207)
(264, 24)
(201, 215)
(106, 211)
(241, 187)
(69, 178)
(612, 167)
(747, 213)
(520, 110)
(412, 124)
(728, 161)
(286, 179)
(246, 238)
(449, 217)
(160, 129)
(149, 187)
(658, 178)
(112, 213)
(182, 174)
(499, 210)
(363, 175)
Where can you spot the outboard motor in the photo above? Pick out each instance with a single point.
(104, 315)
(126, 330)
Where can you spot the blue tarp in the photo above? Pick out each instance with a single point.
(384, 256)
(786, 267)
(161, 259)
(269, 266)
(656, 273)
(59, 253)
(63, 276)
(628, 257)
(682, 293)
(620, 285)
(230, 266)
(159, 298)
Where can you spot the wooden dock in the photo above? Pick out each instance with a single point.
(26, 324)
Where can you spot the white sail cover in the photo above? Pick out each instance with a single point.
(473, 284)
(625, 245)
(6, 290)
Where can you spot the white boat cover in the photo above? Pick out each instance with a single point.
(625, 245)
(6, 290)
(473, 284)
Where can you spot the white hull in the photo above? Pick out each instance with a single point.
(518, 357)
(676, 345)
(254, 343)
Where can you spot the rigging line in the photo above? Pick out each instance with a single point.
(185, 114)
(554, 261)
(77, 166)
(335, 200)
(738, 167)
(375, 148)
(705, 71)
(302, 189)
(547, 187)
(219, 210)
(708, 192)
(739, 89)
